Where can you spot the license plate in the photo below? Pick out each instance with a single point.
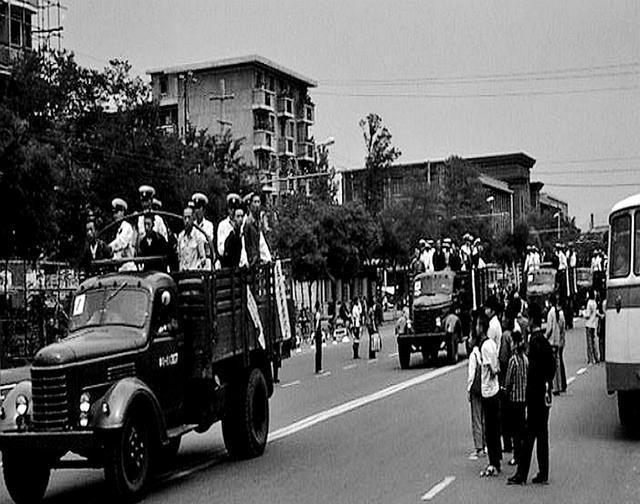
(438, 321)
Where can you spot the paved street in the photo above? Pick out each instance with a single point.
(365, 431)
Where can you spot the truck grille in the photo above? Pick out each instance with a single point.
(424, 321)
(119, 371)
(50, 399)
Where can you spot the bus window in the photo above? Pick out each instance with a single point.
(620, 257)
(636, 255)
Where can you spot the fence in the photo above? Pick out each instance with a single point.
(34, 302)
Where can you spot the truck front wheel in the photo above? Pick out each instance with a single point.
(246, 425)
(26, 477)
(404, 355)
(127, 457)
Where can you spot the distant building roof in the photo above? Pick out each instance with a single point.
(253, 59)
(500, 159)
(494, 183)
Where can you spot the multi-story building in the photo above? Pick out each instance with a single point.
(550, 205)
(15, 30)
(256, 99)
(512, 195)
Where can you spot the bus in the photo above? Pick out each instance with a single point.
(622, 343)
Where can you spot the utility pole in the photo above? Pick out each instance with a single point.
(186, 78)
(222, 97)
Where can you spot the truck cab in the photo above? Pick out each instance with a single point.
(541, 284)
(149, 357)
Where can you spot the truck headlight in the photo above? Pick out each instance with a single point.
(22, 405)
(85, 402)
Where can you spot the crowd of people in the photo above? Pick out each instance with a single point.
(438, 255)
(237, 241)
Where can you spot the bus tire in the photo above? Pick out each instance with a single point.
(629, 410)
(404, 355)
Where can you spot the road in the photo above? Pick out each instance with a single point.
(366, 431)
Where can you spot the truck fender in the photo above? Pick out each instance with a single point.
(119, 399)
(8, 406)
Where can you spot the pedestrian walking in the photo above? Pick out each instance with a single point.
(552, 333)
(538, 400)
(560, 379)
(474, 392)
(375, 343)
(515, 392)
(317, 333)
(490, 397)
(591, 314)
(356, 316)
(504, 355)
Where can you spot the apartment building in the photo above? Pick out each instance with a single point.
(255, 98)
(16, 29)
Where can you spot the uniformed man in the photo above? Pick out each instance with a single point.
(124, 244)
(200, 201)
(476, 254)
(147, 195)
(226, 227)
(191, 252)
(426, 255)
(465, 251)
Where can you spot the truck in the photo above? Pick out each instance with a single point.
(434, 295)
(149, 357)
(541, 285)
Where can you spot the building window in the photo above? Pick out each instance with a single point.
(271, 83)
(163, 84)
(16, 27)
(259, 80)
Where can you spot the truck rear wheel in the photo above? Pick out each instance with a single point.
(404, 355)
(26, 478)
(246, 425)
(127, 457)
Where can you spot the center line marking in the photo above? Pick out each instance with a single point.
(581, 370)
(343, 408)
(350, 366)
(290, 384)
(438, 488)
(571, 380)
(326, 373)
(372, 361)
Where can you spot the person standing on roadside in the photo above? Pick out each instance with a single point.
(552, 333)
(490, 397)
(591, 314)
(560, 380)
(538, 400)
(474, 391)
(356, 315)
(317, 334)
(515, 392)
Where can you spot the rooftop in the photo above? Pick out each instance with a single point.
(630, 202)
(253, 59)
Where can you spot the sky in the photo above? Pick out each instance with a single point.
(557, 80)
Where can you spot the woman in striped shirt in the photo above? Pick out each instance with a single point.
(516, 391)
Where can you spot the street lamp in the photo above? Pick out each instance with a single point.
(557, 215)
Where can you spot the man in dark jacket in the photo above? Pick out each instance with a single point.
(94, 249)
(153, 244)
(538, 398)
(439, 258)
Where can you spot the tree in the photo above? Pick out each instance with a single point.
(380, 155)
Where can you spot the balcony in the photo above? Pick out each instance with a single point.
(285, 146)
(263, 141)
(169, 129)
(263, 99)
(305, 151)
(285, 107)
(307, 113)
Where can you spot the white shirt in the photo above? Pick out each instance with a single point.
(207, 227)
(489, 376)
(596, 263)
(191, 250)
(562, 260)
(535, 260)
(426, 257)
(224, 230)
(591, 314)
(474, 361)
(356, 313)
(495, 331)
(124, 243)
(158, 226)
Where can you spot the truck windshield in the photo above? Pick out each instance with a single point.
(433, 284)
(542, 277)
(116, 305)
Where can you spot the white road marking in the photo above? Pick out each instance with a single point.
(343, 408)
(372, 361)
(394, 354)
(438, 488)
(571, 380)
(581, 370)
(350, 366)
(290, 384)
(325, 373)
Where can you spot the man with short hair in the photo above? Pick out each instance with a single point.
(94, 250)
(439, 260)
(191, 251)
(254, 240)
(492, 309)
(233, 248)
(152, 244)
(147, 194)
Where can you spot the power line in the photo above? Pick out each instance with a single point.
(591, 160)
(585, 172)
(438, 81)
(495, 75)
(622, 184)
(477, 95)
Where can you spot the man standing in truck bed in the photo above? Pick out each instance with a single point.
(191, 251)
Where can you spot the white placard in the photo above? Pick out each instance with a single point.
(78, 304)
